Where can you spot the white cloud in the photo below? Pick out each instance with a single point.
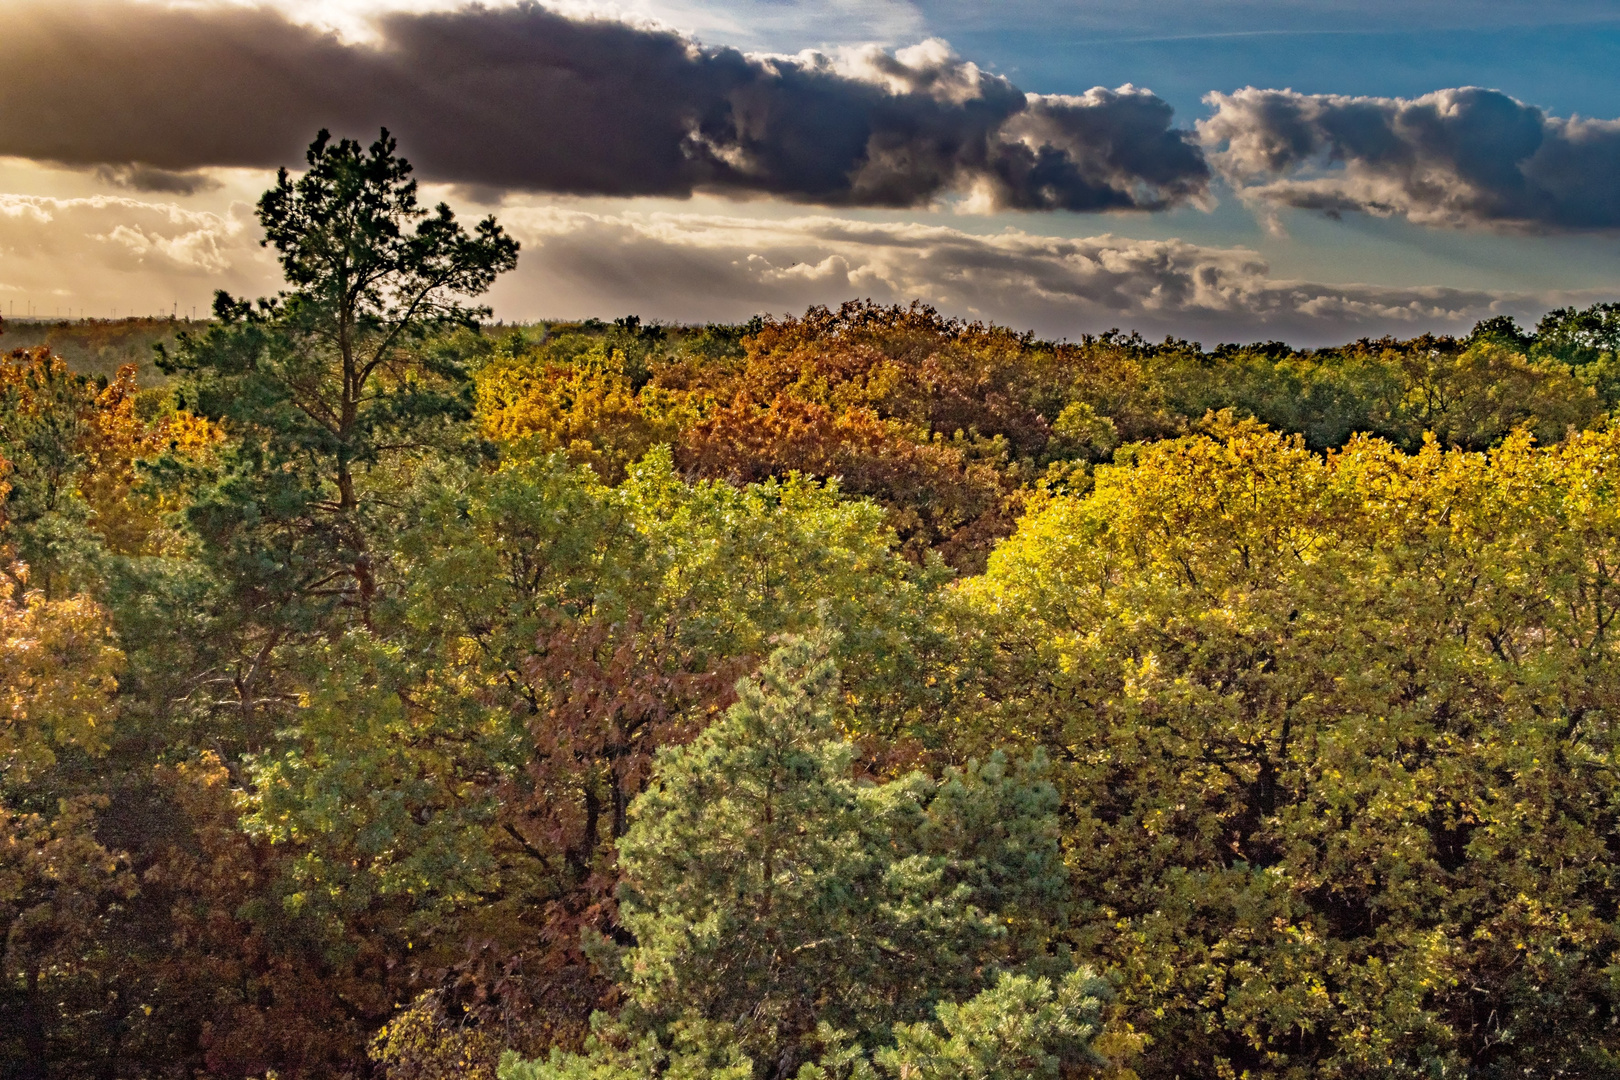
(102, 253)
(1458, 157)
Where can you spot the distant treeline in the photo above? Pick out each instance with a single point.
(949, 424)
(99, 347)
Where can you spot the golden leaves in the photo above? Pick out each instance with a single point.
(58, 672)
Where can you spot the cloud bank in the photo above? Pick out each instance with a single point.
(144, 255)
(523, 98)
(1461, 157)
(684, 266)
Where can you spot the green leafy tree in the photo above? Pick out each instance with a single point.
(1578, 335)
(1587, 339)
(46, 419)
(786, 913)
(467, 778)
(1502, 330)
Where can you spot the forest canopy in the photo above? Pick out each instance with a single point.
(391, 692)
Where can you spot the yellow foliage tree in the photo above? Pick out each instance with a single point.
(82, 444)
(590, 411)
(58, 666)
(1336, 740)
(58, 884)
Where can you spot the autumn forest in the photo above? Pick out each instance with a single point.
(390, 692)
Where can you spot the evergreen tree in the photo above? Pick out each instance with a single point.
(789, 917)
(330, 378)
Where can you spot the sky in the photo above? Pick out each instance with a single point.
(1222, 170)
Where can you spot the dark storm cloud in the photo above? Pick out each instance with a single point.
(522, 98)
(1454, 157)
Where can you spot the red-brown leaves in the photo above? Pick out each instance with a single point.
(936, 495)
(614, 695)
(261, 994)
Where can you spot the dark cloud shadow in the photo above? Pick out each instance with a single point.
(150, 178)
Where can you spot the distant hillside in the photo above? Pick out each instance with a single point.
(98, 347)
